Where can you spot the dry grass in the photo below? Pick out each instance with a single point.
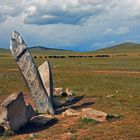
(80, 75)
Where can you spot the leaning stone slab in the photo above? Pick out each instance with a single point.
(14, 112)
(30, 73)
(47, 78)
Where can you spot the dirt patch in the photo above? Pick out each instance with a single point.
(117, 72)
(9, 70)
(90, 72)
(71, 127)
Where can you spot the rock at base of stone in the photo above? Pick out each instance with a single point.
(59, 92)
(94, 114)
(14, 112)
(71, 112)
(69, 92)
(41, 120)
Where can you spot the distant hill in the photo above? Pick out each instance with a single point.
(120, 48)
(117, 49)
(39, 50)
(44, 48)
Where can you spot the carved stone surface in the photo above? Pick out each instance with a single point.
(14, 112)
(47, 79)
(30, 73)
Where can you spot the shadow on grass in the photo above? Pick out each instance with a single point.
(72, 105)
(82, 105)
(76, 100)
(32, 128)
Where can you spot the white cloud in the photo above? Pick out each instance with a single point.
(119, 31)
(67, 11)
(69, 23)
(101, 44)
(60, 11)
(9, 9)
(53, 12)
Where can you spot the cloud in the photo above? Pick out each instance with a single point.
(7, 10)
(60, 11)
(101, 44)
(44, 12)
(121, 31)
(2, 17)
(118, 31)
(71, 23)
(77, 11)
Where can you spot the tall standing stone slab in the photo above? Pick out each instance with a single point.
(30, 73)
(47, 78)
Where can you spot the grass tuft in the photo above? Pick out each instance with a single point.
(113, 117)
(88, 121)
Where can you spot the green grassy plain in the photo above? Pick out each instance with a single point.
(84, 77)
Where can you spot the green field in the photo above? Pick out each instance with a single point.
(98, 77)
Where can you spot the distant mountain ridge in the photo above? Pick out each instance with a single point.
(126, 47)
(44, 48)
(39, 50)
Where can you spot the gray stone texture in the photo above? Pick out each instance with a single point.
(30, 73)
(14, 111)
(47, 78)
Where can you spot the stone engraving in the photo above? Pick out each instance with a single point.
(47, 79)
(30, 73)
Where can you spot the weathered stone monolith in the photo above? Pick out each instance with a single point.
(47, 78)
(30, 73)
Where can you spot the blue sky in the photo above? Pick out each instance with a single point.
(71, 24)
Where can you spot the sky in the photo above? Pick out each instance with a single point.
(80, 25)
